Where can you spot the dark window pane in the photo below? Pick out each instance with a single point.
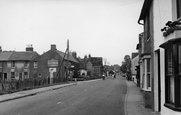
(179, 60)
(169, 61)
(148, 65)
(171, 90)
(148, 81)
(178, 8)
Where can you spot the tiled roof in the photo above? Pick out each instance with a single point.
(22, 56)
(17, 56)
(4, 56)
(71, 58)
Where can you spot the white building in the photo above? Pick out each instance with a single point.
(166, 56)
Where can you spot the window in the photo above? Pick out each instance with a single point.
(13, 64)
(148, 74)
(170, 75)
(35, 64)
(25, 75)
(146, 77)
(143, 79)
(178, 8)
(1, 65)
(26, 64)
(148, 27)
(12, 75)
(173, 77)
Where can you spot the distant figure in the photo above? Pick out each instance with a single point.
(115, 76)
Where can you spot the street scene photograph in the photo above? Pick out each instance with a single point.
(90, 57)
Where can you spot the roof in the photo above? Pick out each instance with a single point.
(17, 56)
(96, 61)
(82, 63)
(4, 56)
(23, 56)
(71, 58)
(144, 10)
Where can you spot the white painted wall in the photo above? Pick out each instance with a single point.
(163, 12)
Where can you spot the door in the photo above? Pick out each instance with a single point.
(5, 76)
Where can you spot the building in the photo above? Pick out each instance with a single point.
(170, 57)
(134, 64)
(94, 66)
(17, 65)
(55, 65)
(146, 58)
(164, 22)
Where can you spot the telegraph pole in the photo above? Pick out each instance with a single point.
(67, 59)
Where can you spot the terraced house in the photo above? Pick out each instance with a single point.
(17, 65)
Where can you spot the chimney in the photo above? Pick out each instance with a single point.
(74, 54)
(29, 48)
(53, 47)
(0, 49)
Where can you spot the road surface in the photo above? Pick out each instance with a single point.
(102, 97)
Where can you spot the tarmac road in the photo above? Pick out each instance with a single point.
(102, 97)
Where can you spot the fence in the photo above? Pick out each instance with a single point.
(18, 85)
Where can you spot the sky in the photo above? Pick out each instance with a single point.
(101, 28)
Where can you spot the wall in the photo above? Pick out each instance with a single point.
(43, 68)
(163, 12)
(134, 63)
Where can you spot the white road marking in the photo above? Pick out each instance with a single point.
(59, 102)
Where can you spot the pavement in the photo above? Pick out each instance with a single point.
(134, 103)
(133, 100)
(21, 94)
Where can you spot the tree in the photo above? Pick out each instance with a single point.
(126, 64)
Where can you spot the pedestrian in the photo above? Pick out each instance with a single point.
(114, 75)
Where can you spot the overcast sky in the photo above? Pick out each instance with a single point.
(102, 28)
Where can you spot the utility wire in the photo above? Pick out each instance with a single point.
(130, 3)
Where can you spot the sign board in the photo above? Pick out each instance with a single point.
(52, 63)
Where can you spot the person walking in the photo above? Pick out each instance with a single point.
(115, 76)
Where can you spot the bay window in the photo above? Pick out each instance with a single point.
(173, 76)
(146, 76)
